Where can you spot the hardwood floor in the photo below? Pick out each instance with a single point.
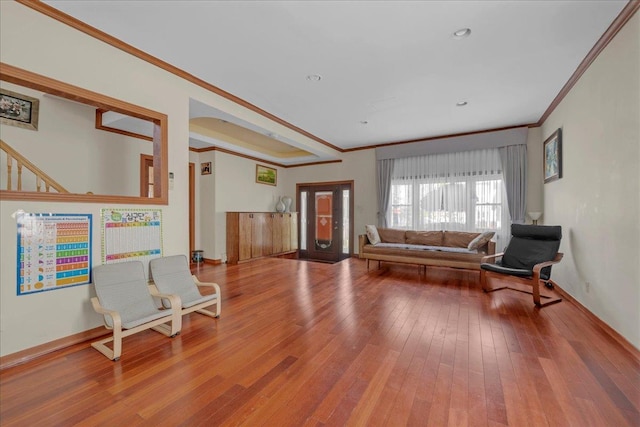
(312, 344)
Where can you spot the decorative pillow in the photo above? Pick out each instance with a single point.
(481, 240)
(372, 234)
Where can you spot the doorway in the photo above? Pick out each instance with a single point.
(326, 220)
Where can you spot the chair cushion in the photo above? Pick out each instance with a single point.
(122, 287)
(211, 297)
(538, 232)
(519, 272)
(498, 268)
(531, 245)
(171, 275)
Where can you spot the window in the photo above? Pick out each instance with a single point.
(455, 191)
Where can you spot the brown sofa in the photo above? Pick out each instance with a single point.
(428, 248)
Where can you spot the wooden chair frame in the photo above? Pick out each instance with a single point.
(534, 281)
(159, 325)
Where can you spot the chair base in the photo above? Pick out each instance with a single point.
(535, 292)
(117, 336)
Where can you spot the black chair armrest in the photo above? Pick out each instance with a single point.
(538, 267)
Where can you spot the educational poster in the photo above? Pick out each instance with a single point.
(54, 251)
(131, 234)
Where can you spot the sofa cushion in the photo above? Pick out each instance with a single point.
(382, 251)
(372, 234)
(391, 235)
(458, 239)
(424, 248)
(481, 240)
(428, 238)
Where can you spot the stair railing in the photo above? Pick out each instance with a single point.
(41, 178)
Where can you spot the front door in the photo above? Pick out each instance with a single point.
(325, 221)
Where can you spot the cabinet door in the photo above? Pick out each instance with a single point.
(267, 234)
(257, 220)
(285, 235)
(278, 221)
(245, 236)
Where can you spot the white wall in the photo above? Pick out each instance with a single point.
(535, 197)
(194, 158)
(205, 213)
(597, 201)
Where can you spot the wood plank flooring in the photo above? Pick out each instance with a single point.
(312, 344)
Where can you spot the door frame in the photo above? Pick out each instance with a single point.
(192, 208)
(349, 183)
(146, 162)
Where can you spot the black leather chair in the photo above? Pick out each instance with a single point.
(528, 258)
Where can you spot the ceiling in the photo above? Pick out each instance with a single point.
(388, 71)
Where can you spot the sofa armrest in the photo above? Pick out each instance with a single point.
(487, 258)
(362, 240)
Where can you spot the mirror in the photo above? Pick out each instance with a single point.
(64, 143)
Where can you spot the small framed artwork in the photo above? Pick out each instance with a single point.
(553, 157)
(205, 168)
(18, 110)
(266, 175)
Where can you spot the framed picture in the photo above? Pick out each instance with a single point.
(266, 175)
(553, 157)
(205, 168)
(18, 110)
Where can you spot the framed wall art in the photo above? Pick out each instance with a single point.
(18, 110)
(205, 168)
(266, 175)
(553, 157)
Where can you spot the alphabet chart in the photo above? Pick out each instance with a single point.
(54, 251)
(131, 234)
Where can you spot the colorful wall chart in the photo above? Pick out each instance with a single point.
(131, 234)
(54, 251)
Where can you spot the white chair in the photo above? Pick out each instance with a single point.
(124, 300)
(171, 275)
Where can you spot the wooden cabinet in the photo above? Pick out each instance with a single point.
(257, 234)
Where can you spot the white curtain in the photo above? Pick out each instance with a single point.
(461, 191)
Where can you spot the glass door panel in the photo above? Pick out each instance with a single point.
(324, 219)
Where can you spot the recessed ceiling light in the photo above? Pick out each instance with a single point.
(461, 103)
(364, 122)
(314, 77)
(462, 33)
